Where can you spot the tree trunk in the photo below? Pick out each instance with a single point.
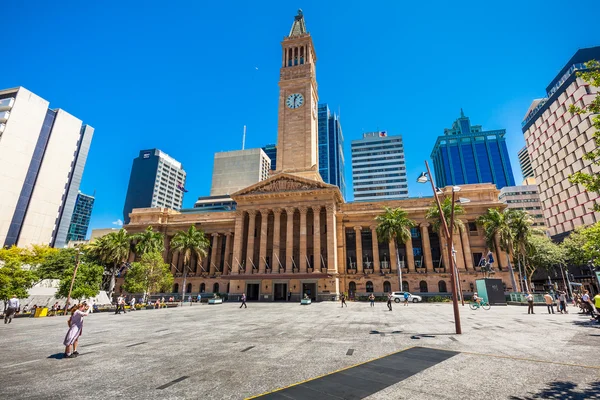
(398, 266)
(111, 286)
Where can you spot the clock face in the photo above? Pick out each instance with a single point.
(294, 100)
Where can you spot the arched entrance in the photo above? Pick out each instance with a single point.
(423, 286)
(216, 288)
(176, 288)
(351, 289)
(202, 287)
(442, 287)
(387, 287)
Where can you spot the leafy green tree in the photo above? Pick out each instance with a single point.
(150, 275)
(189, 243)
(542, 254)
(14, 280)
(590, 181)
(149, 241)
(87, 282)
(55, 263)
(574, 248)
(433, 215)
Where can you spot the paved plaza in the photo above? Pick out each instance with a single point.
(223, 352)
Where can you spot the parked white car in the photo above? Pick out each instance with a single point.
(399, 297)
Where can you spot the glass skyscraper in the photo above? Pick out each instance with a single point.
(331, 148)
(468, 154)
(80, 221)
(271, 151)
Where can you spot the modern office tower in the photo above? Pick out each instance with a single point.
(525, 198)
(80, 221)
(525, 163)
(378, 167)
(156, 180)
(271, 152)
(468, 154)
(236, 170)
(212, 204)
(557, 140)
(331, 148)
(42, 156)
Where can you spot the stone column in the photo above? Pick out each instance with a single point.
(359, 254)
(250, 249)
(236, 259)
(262, 254)
(426, 246)
(317, 239)
(302, 262)
(376, 265)
(276, 238)
(393, 257)
(228, 245)
(331, 239)
(213, 253)
(410, 257)
(289, 242)
(467, 247)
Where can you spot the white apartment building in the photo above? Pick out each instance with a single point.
(525, 198)
(156, 180)
(556, 141)
(43, 153)
(236, 170)
(378, 167)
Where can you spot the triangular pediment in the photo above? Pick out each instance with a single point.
(283, 183)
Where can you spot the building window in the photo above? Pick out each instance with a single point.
(477, 258)
(189, 288)
(423, 287)
(176, 288)
(202, 288)
(405, 286)
(442, 287)
(352, 288)
(216, 288)
(369, 287)
(387, 287)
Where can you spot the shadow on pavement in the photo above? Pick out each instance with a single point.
(57, 356)
(564, 391)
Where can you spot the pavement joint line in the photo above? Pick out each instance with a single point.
(174, 381)
(329, 373)
(135, 344)
(21, 363)
(247, 348)
(526, 359)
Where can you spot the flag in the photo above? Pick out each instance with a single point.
(383, 134)
(180, 187)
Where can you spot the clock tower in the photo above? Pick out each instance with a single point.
(297, 139)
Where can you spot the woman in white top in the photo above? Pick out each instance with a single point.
(75, 329)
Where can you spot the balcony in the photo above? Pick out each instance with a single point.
(7, 104)
(4, 116)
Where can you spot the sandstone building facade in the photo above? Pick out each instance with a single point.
(294, 233)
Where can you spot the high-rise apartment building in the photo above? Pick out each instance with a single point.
(235, 170)
(525, 163)
(43, 153)
(557, 141)
(80, 221)
(331, 148)
(156, 180)
(468, 154)
(271, 152)
(378, 167)
(525, 198)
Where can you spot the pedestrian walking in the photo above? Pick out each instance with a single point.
(549, 303)
(405, 298)
(343, 300)
(597, 303)
(562, 297)
(585, 300)
(290, 295)
(120, 305)
(372, 300)
(132, 304)
(389, 302)
(12, 307)
(244, 301)
(75, 323)
(530, 303)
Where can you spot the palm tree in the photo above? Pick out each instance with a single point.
(394, 225)
(149, 241)
(497, 224)
(112, 249)
(190, 242)
(433, 215)
(520, 224)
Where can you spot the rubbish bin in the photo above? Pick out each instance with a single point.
(41, 312)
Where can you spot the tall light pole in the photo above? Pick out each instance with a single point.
(72, 280)
(423, 179)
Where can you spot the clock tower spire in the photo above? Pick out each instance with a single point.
(297, 138)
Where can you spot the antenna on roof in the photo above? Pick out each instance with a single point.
(244, 138)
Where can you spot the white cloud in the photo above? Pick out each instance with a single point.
(118, 222)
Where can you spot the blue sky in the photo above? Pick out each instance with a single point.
(186, 76)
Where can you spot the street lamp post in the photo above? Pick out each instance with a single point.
(422, 179)
(72, 281)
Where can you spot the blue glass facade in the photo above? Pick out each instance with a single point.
(80, 221)
(271, 151)
(467, 154)
(331, 148)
